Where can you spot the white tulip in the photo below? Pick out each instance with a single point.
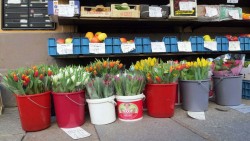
(66, 74)
(73, 77)
(68, 81)
(60, 75)
(78, 83)
(71, 70)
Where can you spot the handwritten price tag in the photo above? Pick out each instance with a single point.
(186, 6)
(155, 11)
(232, 1)
(14, 1)
(66, 10)
(97, 48)
(76, 133)
(234, 46)
(64, 48)
(211, 11)
(234, 14)
(212, 45)
(184, 46)
(158, 47)
(127, 47)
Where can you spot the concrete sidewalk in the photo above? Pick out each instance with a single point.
(229, 125)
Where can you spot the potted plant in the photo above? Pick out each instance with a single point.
(227, 80)
(161, 88)
(194, 85)
(68, 94)
(129, 87)
(32, 88)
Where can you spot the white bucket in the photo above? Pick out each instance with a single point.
(130, 108)
(102, 111)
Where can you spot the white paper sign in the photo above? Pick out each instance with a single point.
(186, 6)
(184, 46)
(76, 133)
(242, 108)
(127, 47)
(64, 48)
(66, 10)
(158, 47)
(211, 11)
(14, 1)
(211, 45)
(234, 14)
(234, 46)
(232, 1)
(97, 48)
(155, 11)
(197, 115)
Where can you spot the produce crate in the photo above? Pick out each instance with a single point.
(117, 45)
(197, 43)
(184, 12)
(146, 48)
(204, 15)
(222, 43)
(244, 43)
(52, 46)
(98, 11)
(171, 43)
(133, 12)
(145, 11)
(246, 89)
(85, 45)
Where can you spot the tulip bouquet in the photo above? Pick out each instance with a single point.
(129, 83)
(70, 79)
(195, 70)
(28, 81)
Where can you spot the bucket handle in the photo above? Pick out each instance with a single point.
(221, 78)
(143, 97)
(203, 86)
(74, 101)
(38, 104)
(113, 102)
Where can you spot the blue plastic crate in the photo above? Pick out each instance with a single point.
(138, 45)
(117, 45)
(197, 43)
(108, 45)
(146, 45)
(222, 43)
(76, 45)
(244, 43)
(246, 89)
(84, 45)
(52, 47)
(171, 43)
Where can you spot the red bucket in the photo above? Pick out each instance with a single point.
(69, 108)
(130, 108)
(34, 111)
(161, 99)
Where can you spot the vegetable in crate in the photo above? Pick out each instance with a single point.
(123, 6)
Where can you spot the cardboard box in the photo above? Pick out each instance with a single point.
(53, 6)
(132, 12)
(97, 11)
(162, 11)
(183, 9)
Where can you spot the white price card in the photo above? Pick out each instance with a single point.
(211, 11)
(232, 1)
(184, 46)
(97, 48)
(14, 1)
(158, 47)
(211, 45)
(76, 133)
(186, 6)
(197, 115)
(234, 14)
(66, 10)
(234, 46)
(64, 48)
(127, 47)
(155, 11)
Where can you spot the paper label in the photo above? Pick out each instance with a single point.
(184, 46)
(186, 6)
(211, 11)
(234, 46)
(14, 1)
(76, 133)
(65, 10)
(23, 21)
(211, 45)
(158, 47)
(234, 14)
(97, 48)
(155, 11)
(197, 115)
(127, 47)
(64, 48)
(232, 1)
(242, 108)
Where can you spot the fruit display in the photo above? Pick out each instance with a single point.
(64, 41)
(124, 40)
(123, 6)
(98, 37)
(245, 16)
(207, 38)
(125, 10)
(231, 38)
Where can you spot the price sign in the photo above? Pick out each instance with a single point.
(211, 11)
(64, 48)
(186, 6)
(234, 46)
(14, 1)
(97, 48)
(127, 47)
(232, 1)
(158, 47)
(184, 46)
(76, 133)
(234, 14)
(155, 11)
(211, 45)
(66, 10)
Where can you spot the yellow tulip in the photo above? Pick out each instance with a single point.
(195, 64)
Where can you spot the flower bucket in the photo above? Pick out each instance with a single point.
(69, 108)
(34, 111)
(194, 94)
(130, 108)
(102, 111)
(228, 90)
(161, 99)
